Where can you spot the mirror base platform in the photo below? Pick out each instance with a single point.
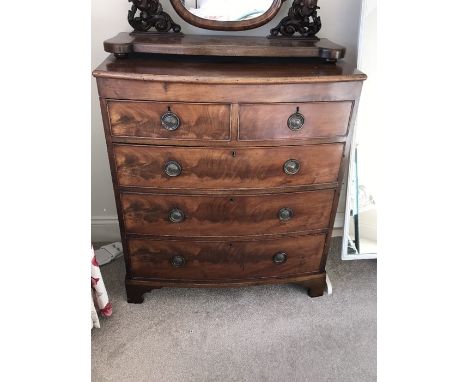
(241, 46)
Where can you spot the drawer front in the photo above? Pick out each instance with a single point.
(235, 215)
(186, 121)
(212, 260)
(224, 168)
(280, 121)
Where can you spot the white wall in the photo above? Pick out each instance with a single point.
(340, 20)
(367, 122)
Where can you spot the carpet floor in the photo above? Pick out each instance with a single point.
(263, 333)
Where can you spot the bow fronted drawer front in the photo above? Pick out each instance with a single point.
(294, 121)
(215, 260)
(226, 215)
(227, 168)
(167, 120)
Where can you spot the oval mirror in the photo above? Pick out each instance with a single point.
(227, 15)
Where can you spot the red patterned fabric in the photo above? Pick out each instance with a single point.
(99, 297)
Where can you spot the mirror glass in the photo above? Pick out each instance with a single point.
(362, 206)
(222, 10)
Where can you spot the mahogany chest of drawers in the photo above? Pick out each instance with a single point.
(226, 172)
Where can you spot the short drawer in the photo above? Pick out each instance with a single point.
(234, 215)
(161, 120)
(301, 121)
(214, 260)
(227, 168)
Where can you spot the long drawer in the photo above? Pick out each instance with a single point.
(226, 168)
(212, 260)
(232, 215)
(163, 120)
(292, 121)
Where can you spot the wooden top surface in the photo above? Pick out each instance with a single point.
(226, 70)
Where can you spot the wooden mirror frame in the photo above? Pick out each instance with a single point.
(227, 25)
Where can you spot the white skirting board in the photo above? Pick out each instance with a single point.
(329, 288)
(105, 229)
(339, 223)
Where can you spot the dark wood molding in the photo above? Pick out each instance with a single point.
(315, 286)
(151, 16)
(135, 292)
(136, 288)
(302, 19)
(188, 75)
(231, 46)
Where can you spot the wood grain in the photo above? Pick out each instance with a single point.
(143, 119)
(269, 121)
(225, 70)
(217, 168)
(255, 91)
(232, 143)
(229, 215)
(214, 170)
(223, 45)
(212, 260)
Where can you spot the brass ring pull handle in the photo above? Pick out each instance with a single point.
(170, 121)
(291, 166)
(172, 168)
(280, 258)
(176, 215)
(296, 121)
(177, 261)
(285, 214)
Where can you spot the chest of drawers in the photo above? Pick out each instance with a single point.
(226, 172)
